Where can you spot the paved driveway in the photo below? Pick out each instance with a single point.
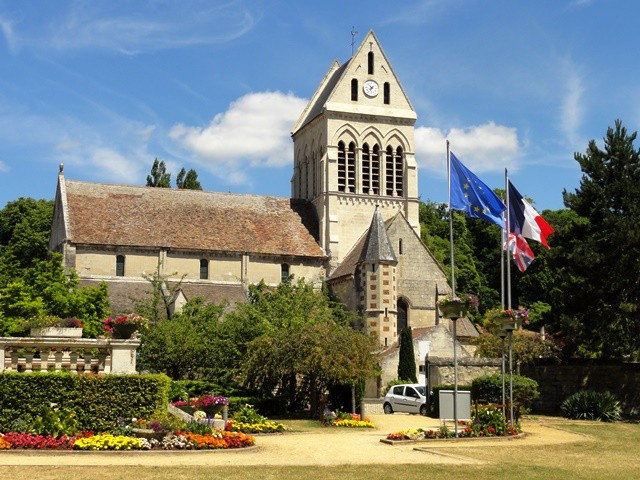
(330, 446)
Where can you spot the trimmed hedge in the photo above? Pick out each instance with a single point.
(100, 402)
(488, 388)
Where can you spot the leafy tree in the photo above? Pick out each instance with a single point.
(293, 340)
(33, 281)
(605, 256)
(473, 239)
(407, 360)
(188, 345)
(25, 226)
(527, 346)
(188, 180)
(159, 176)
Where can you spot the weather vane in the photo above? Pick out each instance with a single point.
(353, 38)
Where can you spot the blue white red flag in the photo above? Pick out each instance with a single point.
(525, 220)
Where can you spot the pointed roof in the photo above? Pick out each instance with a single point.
(105, 214)
(329, 96)
(378, 247)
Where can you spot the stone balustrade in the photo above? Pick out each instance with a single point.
(76, 355)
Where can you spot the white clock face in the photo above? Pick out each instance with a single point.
(370, 88)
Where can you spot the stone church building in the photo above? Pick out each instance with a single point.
(352, 219)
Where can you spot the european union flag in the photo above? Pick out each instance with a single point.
(468, 193)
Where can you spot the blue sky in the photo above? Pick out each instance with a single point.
(107, 86)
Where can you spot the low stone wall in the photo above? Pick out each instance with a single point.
(441, 370)
(557, 382)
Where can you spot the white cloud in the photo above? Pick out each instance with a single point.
(482, 148)
(254, 132)
(572, 105)
(143, 28)
(3, 167)
(6, 27)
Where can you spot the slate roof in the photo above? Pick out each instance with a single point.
(378, 247)
(358, 253)
(104, 214)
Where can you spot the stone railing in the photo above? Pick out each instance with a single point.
(76, 355)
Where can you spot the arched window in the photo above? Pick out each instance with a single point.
(387, 93)
(399, 172)
(403, 315)
(284, 272)
(342, 167)
(370, 63)
(120, 266)
(204, 269)
(366, 168)
(388, 171)
(351, 168)
(354, 89)
(375, 170)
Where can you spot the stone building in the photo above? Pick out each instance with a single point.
(352, 219)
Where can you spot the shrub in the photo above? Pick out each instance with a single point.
(590, 405)
(488, 388)
(99, 402)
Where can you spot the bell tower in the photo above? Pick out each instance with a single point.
(354, 149)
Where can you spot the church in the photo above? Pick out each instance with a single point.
(352, 219)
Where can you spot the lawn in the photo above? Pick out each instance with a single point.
(607, 450)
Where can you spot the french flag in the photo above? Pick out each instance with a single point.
(524, 220)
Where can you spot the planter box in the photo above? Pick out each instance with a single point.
(59, 332)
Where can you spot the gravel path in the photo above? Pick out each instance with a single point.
(330, 446)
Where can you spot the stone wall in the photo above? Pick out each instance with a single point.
(557, 382)
(442, 369)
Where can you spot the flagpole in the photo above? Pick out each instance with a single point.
(508, 230)
(453, 294)
(453, 277)
(508, 267)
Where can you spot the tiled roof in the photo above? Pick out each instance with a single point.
(125, 294)
(103, 214)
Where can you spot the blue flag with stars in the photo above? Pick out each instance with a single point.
(470, 194)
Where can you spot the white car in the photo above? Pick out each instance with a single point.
(408, 398)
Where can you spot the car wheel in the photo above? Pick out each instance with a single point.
(387, 408)
(423, 410)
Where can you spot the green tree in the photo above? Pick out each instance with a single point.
(159, 176)
(187, 346)
(292, 339)
(188, 180)
(33, 281)
(407, 360)
(605, 256)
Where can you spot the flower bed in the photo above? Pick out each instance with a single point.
(106, 441)
(346, 420)
(262, 427)
(490, 422)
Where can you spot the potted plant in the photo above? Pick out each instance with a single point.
(52, 326)
(210, 404)
(512, 318)
(124, 326)
(457, 306)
